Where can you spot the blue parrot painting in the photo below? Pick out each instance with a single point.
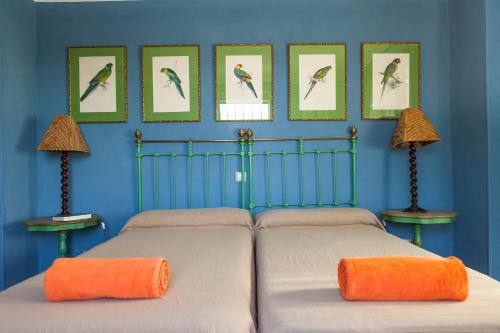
(244, 77)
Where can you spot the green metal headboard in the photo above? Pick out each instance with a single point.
(246, 155)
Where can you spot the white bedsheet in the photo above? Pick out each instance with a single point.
(298, 288)
(210, 288)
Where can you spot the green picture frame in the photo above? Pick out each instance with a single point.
(317, 81)
(97, 80)
(244, 87)
(390, 79)
(171, 83)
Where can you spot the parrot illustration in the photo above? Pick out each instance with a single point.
(389, 72)
(244, 77)
(173, 77)
(318, 76)
(99, 79)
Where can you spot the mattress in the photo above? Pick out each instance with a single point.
(210, 287)
(298, 287)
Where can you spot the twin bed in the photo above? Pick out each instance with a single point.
(297, 257)
(211, 286)
(231, 274)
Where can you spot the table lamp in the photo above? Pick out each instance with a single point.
(413, 130)
(64, 136)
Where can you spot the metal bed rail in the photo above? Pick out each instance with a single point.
(246, 155)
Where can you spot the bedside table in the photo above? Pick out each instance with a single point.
(417, 220)
(47, 225)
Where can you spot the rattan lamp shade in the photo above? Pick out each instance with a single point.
(63, 135)
(414, 127)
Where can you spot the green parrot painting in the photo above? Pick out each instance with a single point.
(173, 77)
(389, 72)
(244, 77)
(99, 79)
(318, 76)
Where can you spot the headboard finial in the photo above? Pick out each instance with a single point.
(249, 134)
(241, 134)
(354, 132)
(138, 136)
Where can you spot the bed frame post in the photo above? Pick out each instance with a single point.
(354, 139)
(190, 173)
(138, 155)
(242, 140)
(249, 137)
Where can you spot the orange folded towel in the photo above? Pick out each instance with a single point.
(89, 278)
(402, 279)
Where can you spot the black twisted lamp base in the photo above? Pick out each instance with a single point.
(64, 183)
(414, 208)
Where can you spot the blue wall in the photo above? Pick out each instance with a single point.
(469, 128)
(493, 107)
(2, 201)
(18, 99)
(104, 181)
(475, 107)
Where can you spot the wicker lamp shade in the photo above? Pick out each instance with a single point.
(63, 135)
(413, 127)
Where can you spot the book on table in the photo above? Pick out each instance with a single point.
(72, 217)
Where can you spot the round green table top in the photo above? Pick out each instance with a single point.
(430, 217)
(46, 224)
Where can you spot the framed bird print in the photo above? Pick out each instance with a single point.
(317, 82)
(98, 84)
(390, 79)
(244, 82)
(171, 83)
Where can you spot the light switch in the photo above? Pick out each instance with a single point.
(237, 177)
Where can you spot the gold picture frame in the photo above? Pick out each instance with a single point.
(192, 71)
(411, 50)
(221, 51)
(119, 54)
(339, 50)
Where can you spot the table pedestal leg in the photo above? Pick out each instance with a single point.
(63, 244)
(417, 239)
